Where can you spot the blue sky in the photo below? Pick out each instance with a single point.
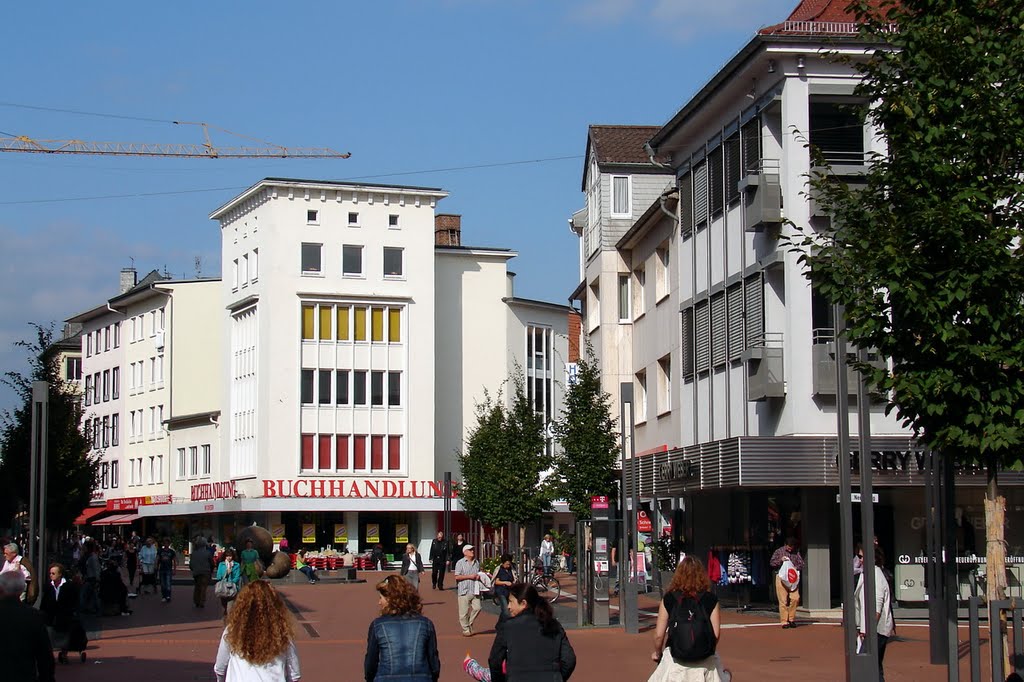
(405, 86)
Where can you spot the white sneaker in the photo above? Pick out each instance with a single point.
(132, 595)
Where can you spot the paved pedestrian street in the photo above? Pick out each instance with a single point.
(174, 642)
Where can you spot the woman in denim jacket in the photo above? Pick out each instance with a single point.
(402, 643)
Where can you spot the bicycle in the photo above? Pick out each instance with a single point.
(545, 583)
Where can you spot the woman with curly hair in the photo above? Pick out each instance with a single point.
(689, 590)
(401, 642)
(259, 640)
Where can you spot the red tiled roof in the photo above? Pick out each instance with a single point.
(621, 144)
(817, 17)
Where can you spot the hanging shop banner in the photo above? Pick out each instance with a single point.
(373, 533)
(643, 522)
(402, 533)
(340, 533)
(133, 503)
(308, 532)
(277, 531)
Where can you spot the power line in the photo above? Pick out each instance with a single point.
(120, 196)
(473, 167)
(78, 112)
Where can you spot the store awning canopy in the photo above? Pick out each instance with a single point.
(87, 514)
(116, 520)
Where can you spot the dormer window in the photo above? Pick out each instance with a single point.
(621, 196)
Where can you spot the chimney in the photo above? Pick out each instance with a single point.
(129, 278)
(447, 229)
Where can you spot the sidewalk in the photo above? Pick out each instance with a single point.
(176, 641)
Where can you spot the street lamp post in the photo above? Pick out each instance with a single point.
(629, 615)
(38, 447)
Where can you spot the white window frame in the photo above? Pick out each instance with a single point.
(663, 263)
(362, 262)
(181, 464)
(205, 461)
(665, 385)
(312, 216)
(401, 255)
(254, 266)
(311, 273)
(624, 299)
(351, 222)
(640, 397)
(628, 213)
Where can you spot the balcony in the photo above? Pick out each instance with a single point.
(847, 171)
(761, 189)
(823, 357)
(763, 359)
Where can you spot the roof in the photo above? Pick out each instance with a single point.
(818, 17)
(619, 145)
(533, 303)
(645, 222)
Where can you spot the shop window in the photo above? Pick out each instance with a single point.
(325, 323)
(376, 453)
(377, 325)
(307, 322)
(324, 454)
(394, 453)
(359, 452)
(307, 451)
(394, 325)
(341, 451)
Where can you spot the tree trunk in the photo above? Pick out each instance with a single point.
(995, 554)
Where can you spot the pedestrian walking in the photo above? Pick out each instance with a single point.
(457, 547)
(229, 571)
(467, 583)
(504, 578)
(90, 595)
(688, 629)
(147, 562)
(532, 642)
(200, 563)
(258, 642)
(377, 557)
(402, 642)
(60, 602)
(885, 625)
(304, 568)
(166, 563)
(412, 566)
(131, 563)
(547, 550)
(789, 564)
(113, 591)
(24, 642)
(250, 559)
(438, 556)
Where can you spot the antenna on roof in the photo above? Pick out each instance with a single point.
(197, 262)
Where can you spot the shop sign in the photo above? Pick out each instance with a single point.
(340, 534)
(643, 522)
(402, 533)
(221, 490)
(373, 533)
(598, 501)
(855, 497)
(341, 487)
(133, 503)
(308, 532)
(679, 470)
(967, 559)
(903, 461)
(277, 531)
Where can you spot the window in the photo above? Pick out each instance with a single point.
(88, 391)
(104, 475)
(160, 421)
(716, 189)
(732, 168)
(392, 262)
(353, 219)
(152, 420)
(106, 431)
(662, 263)
(341, 387)
(326, 328)
(359, 452)
(114, 474)
(254, 265)
(115, 429)
(193, 461)
(307, 387)
(594, 306)
(639, 281)
(323, 458)
(625, 299)
(393, 220)
(702, 336)
(687, 345)
(686, 205)
(73, 369)
(312, 217)
(96, 433)
(359, 387)
(106, 339)
(341, 451)
(324, 389)
(181, 463)
(621, 199)
(115, 383)
(88, 345)
(311, 256)
(700, 194)
(343, 324)
(117, 335)
(308, 315)
(96, 388)
(244, 266)
(351, 260)
(394, 325)
(360, 324)
(376, 389)
(394, 453)
(376, 453)
(394, 389)
(156, 469)
(640, 404)
(719, 333)
(234, 274)
(377, 325)
(665, 385)
(837, 130)
(206, 462)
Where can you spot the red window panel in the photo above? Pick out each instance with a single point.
(359, 452)
(324, 456)
(307, 451)
(341, 449)
(376, 453)
(394, 453)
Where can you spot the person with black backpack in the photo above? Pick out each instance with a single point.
(688, 629)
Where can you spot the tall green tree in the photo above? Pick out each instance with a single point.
(504, 459)
(926, 257)
(588, 438)
(71, 472)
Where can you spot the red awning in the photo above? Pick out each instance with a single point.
(87, 514)
(116, 520)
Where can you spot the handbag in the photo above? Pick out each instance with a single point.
(225, 588)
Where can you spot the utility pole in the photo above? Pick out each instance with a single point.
(36, 549)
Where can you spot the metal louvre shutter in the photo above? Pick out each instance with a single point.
(751, 140)
(718, 333)
(732, 168)
(687, 343)
(686, 205)
(700, 194)
(716, 189)
(702, 336)
(734, 303)
(753, 295)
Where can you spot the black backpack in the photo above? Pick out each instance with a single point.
(690, 635)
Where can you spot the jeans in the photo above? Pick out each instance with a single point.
(202, 582)
(165, 585)
(546, 559)
(309, 572)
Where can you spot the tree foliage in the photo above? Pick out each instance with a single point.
(71, 472)
(504, 459)
(589, 442)
(926, 257)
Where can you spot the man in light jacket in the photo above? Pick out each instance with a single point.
(882, 612)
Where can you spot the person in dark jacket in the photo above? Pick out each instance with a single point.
(531, 642)
(439, 555)
(60, 601)
(113, 592)
(401, 643)
(24, 643)
(456, 555)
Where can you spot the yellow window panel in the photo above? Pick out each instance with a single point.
(395, 325)
(343, 331)
(377, 322)
(307, 322)
(360, 331)
(325, 323)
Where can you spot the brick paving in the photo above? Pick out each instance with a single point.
(178, 642)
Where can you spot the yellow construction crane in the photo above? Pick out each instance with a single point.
(206, 150)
